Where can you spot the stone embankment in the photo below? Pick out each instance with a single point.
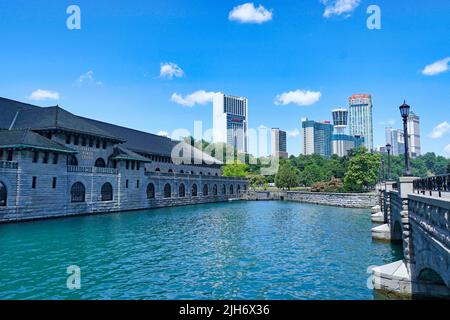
(346, 200)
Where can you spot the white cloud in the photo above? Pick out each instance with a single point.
(199, 97)
(248, 13)
(339, 7)
(293, 133)
(88, 78)
(447, 149)
(298, 97)
(163, 133)
(440, 130)
(437, 67)
(169, 70)
(40, 95)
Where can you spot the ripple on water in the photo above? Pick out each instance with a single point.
(245, 250)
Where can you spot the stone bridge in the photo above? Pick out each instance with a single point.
(415, 214)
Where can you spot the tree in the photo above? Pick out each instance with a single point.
(286, 177)
(235, 169)
(362, 172)
(448, 168)
(257, 181)
(313, 173)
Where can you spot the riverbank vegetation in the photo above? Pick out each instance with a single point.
(360, 171)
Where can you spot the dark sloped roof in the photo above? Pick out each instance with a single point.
(9, 109)
(144, 142)
(26, 139)
(121, 153)
(26, 116)
(58, 118)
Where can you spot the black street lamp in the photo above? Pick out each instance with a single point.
(389, 148)
(404, 111)
(383, 171)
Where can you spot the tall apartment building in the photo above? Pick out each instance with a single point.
(396, 138)
(414, 135)
(230, 121)
(342, 142)
(279, 145)
(317, 137)
(360, 118)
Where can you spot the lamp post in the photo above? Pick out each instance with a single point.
(383, 171)
(389, 148)
(404, 111)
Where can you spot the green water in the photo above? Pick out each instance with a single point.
(241, 250)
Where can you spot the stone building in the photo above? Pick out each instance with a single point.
(54, 163)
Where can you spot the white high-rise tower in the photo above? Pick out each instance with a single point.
(230, 121)
(360, 118)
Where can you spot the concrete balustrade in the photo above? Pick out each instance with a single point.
(421, 224)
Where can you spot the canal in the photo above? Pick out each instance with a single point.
(240, 250)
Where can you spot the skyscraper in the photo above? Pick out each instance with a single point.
(396, 137)
(317, 137)
(279, 144)
(342, 142)
(360, 118)
(230, 121)
(414, 135)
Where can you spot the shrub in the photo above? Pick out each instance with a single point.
(334, 185)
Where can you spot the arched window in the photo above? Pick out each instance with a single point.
(205, 190)
(78, 192)
(182, 191)
(200, 173)
(181, 171)
(170, 171)
(192, 172)
(215, 190)
(194, 190)
(224, 189)
(100, 163)
(72, 161)
(167, 191)
(245, 187)
(238, 189)
(217, 174)
(107, 192)
(231, 189)
(157, 170)
(150, 191)
(3, 195)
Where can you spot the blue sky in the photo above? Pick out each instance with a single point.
(110, 69)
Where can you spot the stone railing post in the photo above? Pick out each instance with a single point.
(406, 188)
(387, 201)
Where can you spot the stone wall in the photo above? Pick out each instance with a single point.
(46, 200)
(430, 229)
(346, 200)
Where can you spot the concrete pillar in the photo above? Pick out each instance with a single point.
(406, 188)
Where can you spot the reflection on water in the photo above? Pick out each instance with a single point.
(241, 250)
